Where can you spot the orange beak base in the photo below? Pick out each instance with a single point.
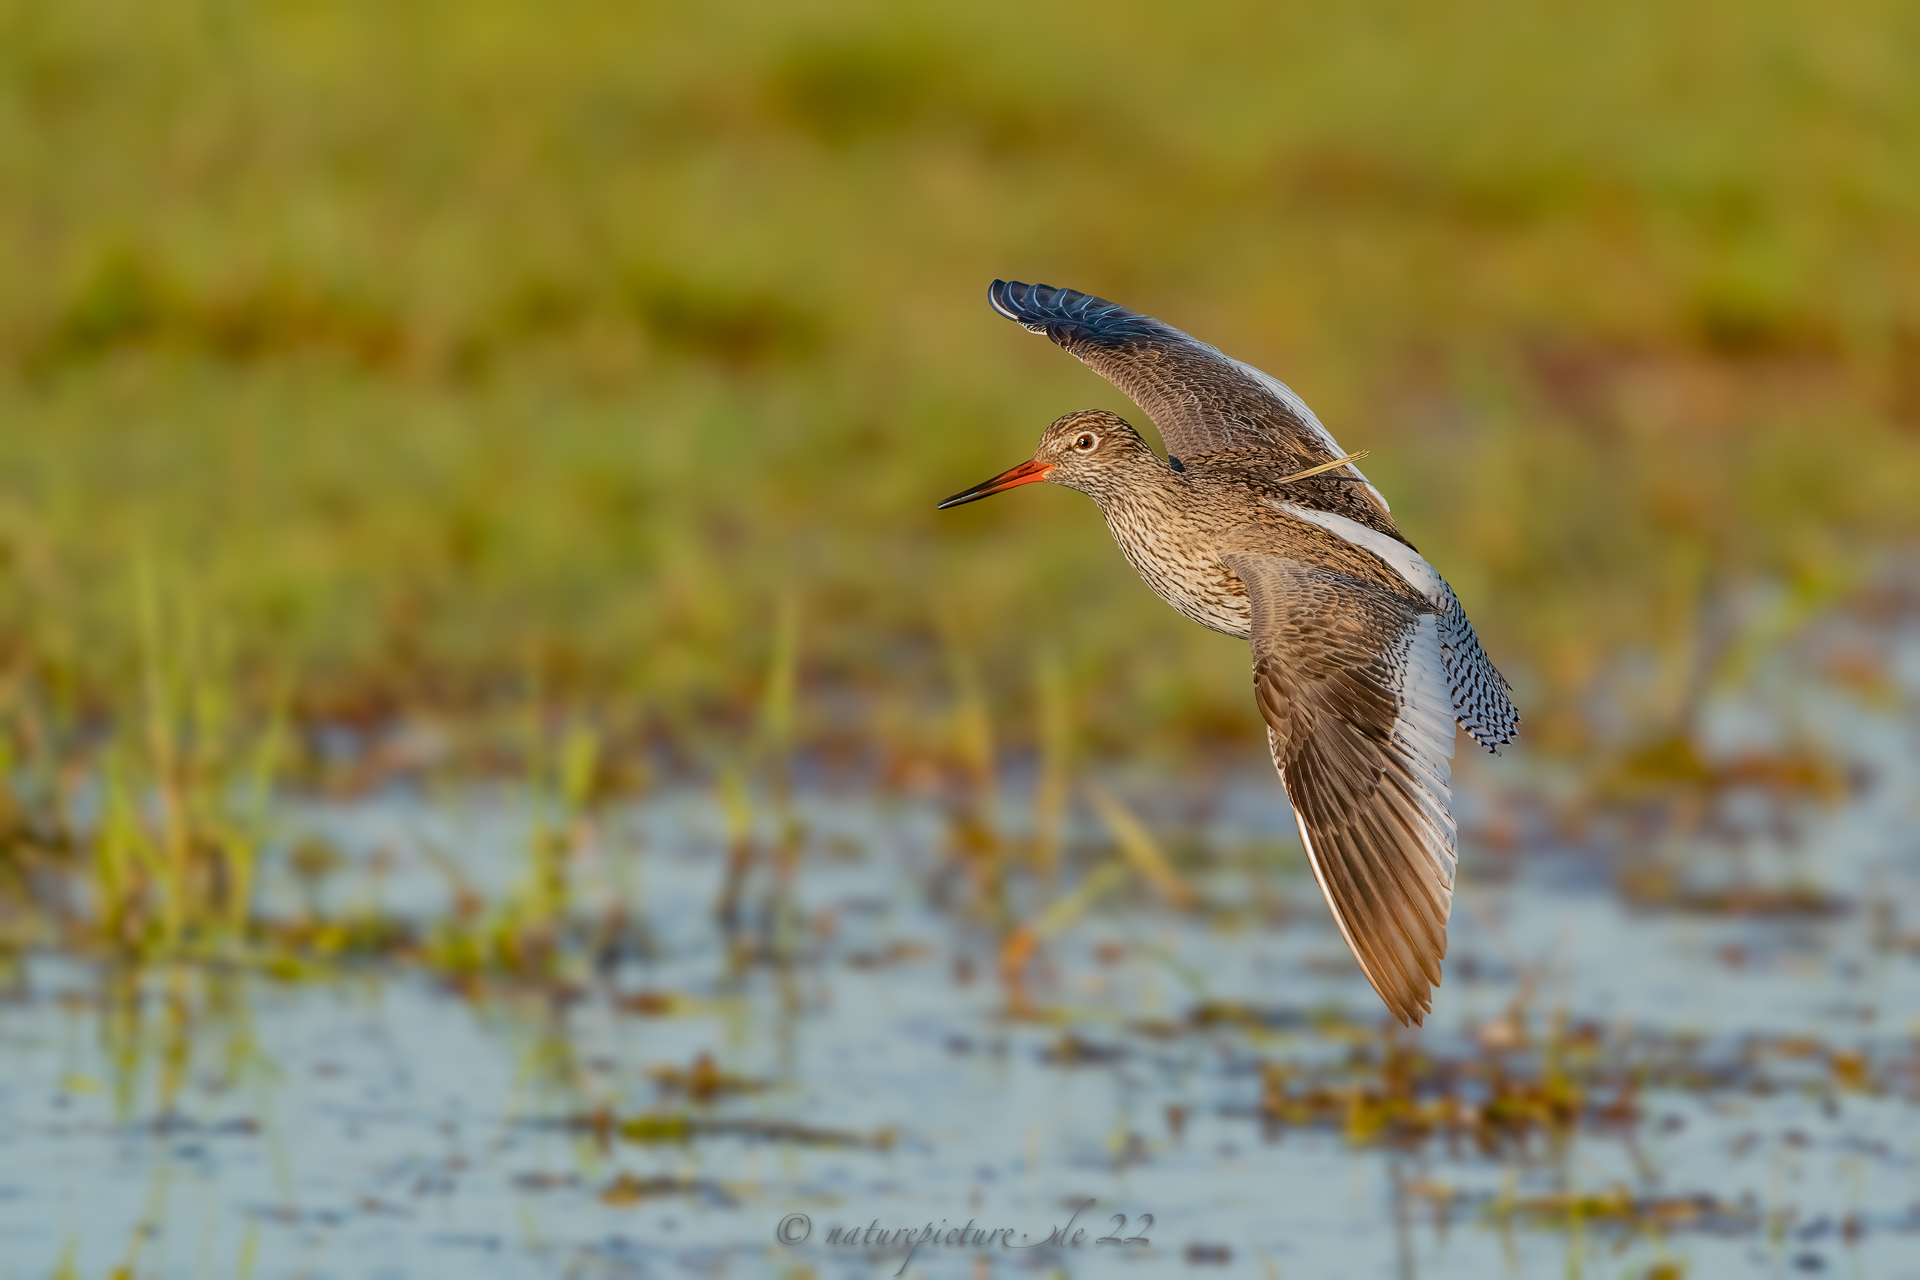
(1025, 473)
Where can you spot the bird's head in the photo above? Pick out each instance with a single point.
(1089, 451)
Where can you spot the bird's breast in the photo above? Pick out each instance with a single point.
(1185, 572)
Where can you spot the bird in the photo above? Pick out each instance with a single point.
(1256, 525)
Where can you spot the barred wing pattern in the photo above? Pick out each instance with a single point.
(1482, 699)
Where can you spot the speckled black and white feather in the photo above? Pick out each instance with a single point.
(1482, 699)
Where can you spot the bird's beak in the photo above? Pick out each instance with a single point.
(1025, 473)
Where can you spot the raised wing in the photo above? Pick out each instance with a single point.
(1353, 686)
(1201, 401)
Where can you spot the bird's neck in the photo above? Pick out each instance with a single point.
(1166, 531)
(1149, 508)
(1148, 483)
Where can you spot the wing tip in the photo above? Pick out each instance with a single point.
(1056, 312)
(998, 297)
(1400, 975)
(1412, 1006)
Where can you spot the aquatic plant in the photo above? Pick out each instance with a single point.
(184, 788)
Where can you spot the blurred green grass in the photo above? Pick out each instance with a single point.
(441, 352)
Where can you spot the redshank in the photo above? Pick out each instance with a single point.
(1258, 526)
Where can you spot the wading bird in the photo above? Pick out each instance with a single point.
(1257, 526)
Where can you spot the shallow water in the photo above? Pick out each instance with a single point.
(200, 1122)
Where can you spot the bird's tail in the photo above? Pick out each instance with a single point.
(1482, 698)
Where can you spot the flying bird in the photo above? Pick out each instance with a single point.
(1256, 525)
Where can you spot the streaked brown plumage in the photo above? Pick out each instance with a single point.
(1363, 660)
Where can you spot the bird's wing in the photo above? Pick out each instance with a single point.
(1353, 686)
(1201, 400)
(1482, 699)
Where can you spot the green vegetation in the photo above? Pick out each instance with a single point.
(561, 392)
(454, 357)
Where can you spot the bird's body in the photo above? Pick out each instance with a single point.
(1175, 527)
(1363, 659)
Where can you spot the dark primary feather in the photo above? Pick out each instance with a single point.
(1347, 677)
(1201, 400)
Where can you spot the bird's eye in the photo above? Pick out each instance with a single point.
(1085, 441)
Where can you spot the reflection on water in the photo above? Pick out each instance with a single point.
(1677, 1080)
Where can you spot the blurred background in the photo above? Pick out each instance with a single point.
(434, 352)
(404, 402)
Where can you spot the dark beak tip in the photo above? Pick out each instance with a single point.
(1025, 473)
